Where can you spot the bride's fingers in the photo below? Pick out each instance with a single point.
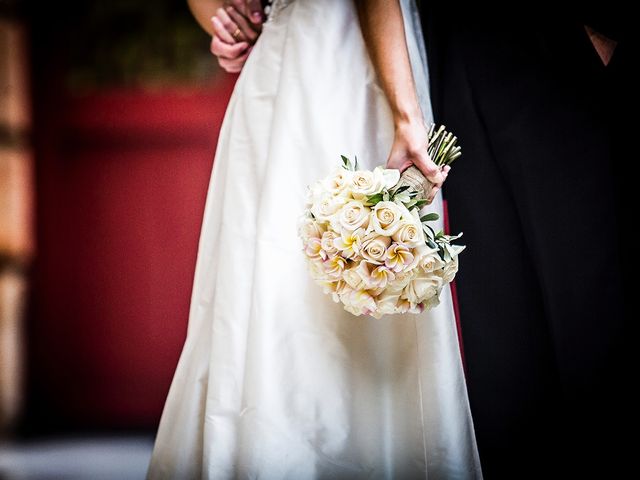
(431, 171)
(233, 66)
(251, 9)
(222, 32)
(433, 193)
(255, 11)
(247, 31)
(224, 50)
(230, 26)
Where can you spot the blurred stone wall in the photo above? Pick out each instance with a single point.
(16, 200)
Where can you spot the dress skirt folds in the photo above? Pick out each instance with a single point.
(275, 380)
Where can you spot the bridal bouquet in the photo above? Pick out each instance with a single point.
(366, 243)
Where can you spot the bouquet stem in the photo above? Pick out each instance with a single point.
(443, 151)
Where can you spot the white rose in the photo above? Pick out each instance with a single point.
(353, 214)
(449, 271)
(327, 240)
(316, 270)
(402, 279)
(362, 300)
(353, 278)
(325, 206)
(387, 303)
(422, 287)
(309, 228)
(386, 217)
(338, 180)
(432, 262)
(409, 233)
(366, 182)
(374, 248)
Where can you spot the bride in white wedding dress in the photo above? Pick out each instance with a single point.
(275, 381)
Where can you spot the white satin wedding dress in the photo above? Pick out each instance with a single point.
(275, 381)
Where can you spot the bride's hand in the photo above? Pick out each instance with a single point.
(233, 38)
(410, 148)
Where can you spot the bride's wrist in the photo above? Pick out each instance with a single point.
(408, 120)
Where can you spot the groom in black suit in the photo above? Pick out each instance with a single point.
(537, 100)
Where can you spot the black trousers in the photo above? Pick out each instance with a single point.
(538, 196)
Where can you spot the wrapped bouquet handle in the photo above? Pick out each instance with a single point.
(415, 180)
(442, 149)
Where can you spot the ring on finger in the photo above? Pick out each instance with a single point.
(237, 34)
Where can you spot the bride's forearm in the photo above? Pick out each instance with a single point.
(203, 10)
(383, 30)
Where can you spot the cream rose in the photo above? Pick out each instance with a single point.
(327, 241)
(309, 228)
(362, 301)
(374, 248)
(388, 302)
(449, 271)
(326, 206)
(431, 262)
(354, 214)
(422, 287)
(386, 217)
(316, 270)
(338, 181)
(409, 233)
(366, 182)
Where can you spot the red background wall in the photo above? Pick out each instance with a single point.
(121, 183)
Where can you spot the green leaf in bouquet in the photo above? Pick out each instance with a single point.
(429, 217)
(401, 189)
(421, 203)
(355, 166)
(385, 195)
(375, 198)
(429, 231)
(346, 163)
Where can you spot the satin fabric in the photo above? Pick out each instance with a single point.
(275, 381)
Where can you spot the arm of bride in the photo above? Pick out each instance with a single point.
(234, 26)
(383, 31)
